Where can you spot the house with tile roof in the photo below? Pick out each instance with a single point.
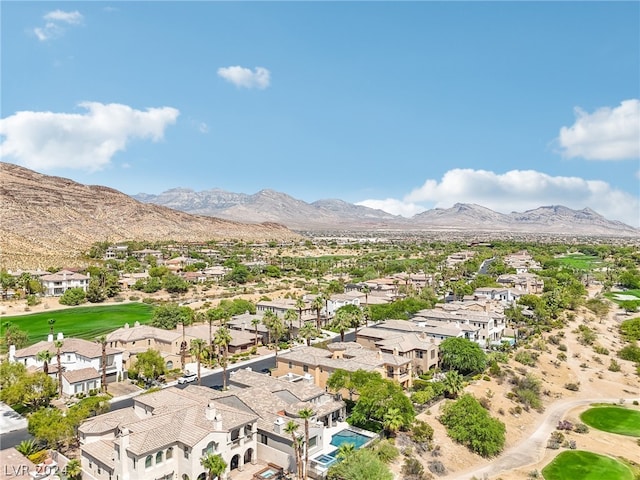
(80, 360)
(351, 356)
(55, 284)
(165, 434)
(414, 343)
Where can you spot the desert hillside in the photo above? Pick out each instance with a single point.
(50, 221)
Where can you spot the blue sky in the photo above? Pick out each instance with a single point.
(402, 106)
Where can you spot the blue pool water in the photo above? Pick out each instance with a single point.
(326, 460)
(349, 436)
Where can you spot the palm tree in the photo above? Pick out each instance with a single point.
(453, 383)
(289, 317)
(366, 290)
(222, 340)
(51, 321)
(275, 327)
(73, 469)
(45, 357)
(291, 428)
(300, 306)
(183, 345)
(393, 420)
(345, 450)
(58, 344)
(308, 331)
(317, 305)
(255, 322)
(346, 317)
(306, 414)
(214, 464)
(197, 347)
(102, 340)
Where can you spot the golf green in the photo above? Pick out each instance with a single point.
(581, 465)
(81, 322)
(620, 420)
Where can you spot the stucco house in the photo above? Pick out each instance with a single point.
(55, 284)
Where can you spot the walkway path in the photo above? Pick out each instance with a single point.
(530, 450)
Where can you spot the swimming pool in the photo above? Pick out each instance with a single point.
(349, 436)
(327, 459)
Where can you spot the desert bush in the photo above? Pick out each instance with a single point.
(564, 425)
(581, 428)
(630, 352)
(586, 336)
(562, 356)
(526, 358)
(555, 440)
(562, 347)
(599, 349)
(614, 366)
(412, 469)
(574, 387)
(437, 467)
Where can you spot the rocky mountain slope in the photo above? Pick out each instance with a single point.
(268, 205)
(49, 221)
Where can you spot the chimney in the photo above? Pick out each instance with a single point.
(126, 325)
(278, 425)
(50, 338)
(124, 440)
(379, 354)
(217, 422)
(308, 378)
(211, 411)
(12, 353)
(60, 336)
(137, 324)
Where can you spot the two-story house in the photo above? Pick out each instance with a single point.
(164, 436)
(55, 284)
(350, 356)
(80, 360)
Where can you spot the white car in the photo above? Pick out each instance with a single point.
(188, 377)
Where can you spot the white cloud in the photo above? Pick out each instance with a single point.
(73, 18)
(84, 141)
(244, 77)
(516, 190)
(606, 134)
(53, 20)
(203, 127)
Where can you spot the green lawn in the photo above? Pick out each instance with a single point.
(620, 420)
(81, 322)
(580, 262)
(581, 465)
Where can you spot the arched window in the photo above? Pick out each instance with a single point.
(170, 365)
(159, 457)
(211, 447)
(169, 453)
(185, 476)
(148, 461)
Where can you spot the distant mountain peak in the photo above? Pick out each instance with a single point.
(335, 214)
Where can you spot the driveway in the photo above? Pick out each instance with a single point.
(10, 420)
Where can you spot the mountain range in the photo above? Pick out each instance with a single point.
(272, 206)
(51, 221)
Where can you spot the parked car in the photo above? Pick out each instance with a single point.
(217, 387)
(188, 377)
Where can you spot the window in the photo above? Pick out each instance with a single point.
(186, 452)
(149, 342)
(290, 365)
(169, 453)
(159, 457)
(99, 470)
(148, 461)
(305, 368)
(135, 462)
(262, 438)
(313, 441)
(433, 354)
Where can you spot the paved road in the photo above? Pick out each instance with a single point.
(13, 438)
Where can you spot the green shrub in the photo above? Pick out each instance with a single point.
(630, 352)
(614, 366)
(600, 350)
(526, 358)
